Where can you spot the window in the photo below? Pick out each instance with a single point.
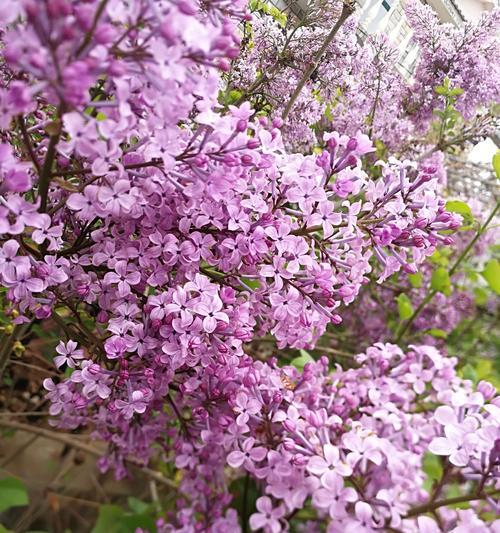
(386, 5)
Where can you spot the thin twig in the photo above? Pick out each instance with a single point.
(84, 447)
(8, 344)
(90, 33)
(347, 11)
(430, 295)
(24, 413)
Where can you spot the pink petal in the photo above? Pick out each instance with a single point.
(317, 465)
(257, 521)
(445, 415)
(331, 454)
(441, 446)
(235, 459)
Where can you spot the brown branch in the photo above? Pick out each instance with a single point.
(432, 506)
(90, 33)
(153, 163)
(7, 345)
(27, 144)
(46, 172)
(24, 413)
(65, 438)
(347, 11)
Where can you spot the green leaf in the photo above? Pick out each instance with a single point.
(3, 529)
(484, 369)
(455, 206)
(439, 258)
(496, 163)
(245, 494)
(480, 296)
(252, 283)
(437, 333)
(137, 505)
(108, 520)
(416, 280)
(328, 112)
(432, 466)
(454, 491)
(232, 96)
(300, 362)
(114, 519)
(130, 523)
(404, 307)
(472, 275)
(491, 274)
(469, 372)
(440, 281)
(13, 493)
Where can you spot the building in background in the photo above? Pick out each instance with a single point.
(470, 173)
(388, 16)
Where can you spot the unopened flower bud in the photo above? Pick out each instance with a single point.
(102, 317)
(241, 125)
(246, 160)
(224, 65)
(277, 397)
(418, 241)
(253, 144)
(187, 7)
(277, 122)
(331, 143)
(44, 311)
(352, 144)
(420, 223)
(336, 319)
(486, 389)
(410, 269)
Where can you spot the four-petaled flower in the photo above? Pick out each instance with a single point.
(330, 462)
(135, 404)
(68, 354)
(267, 517)
(334, 495)
(247, 456)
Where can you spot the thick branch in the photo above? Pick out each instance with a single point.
(432, 506)
(45, 175)
(76, 171)
(347, 11)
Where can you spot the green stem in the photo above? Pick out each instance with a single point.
(244, 511)
(452, 271)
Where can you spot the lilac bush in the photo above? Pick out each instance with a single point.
(168, 223)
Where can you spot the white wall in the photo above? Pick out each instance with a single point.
(472, 9)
